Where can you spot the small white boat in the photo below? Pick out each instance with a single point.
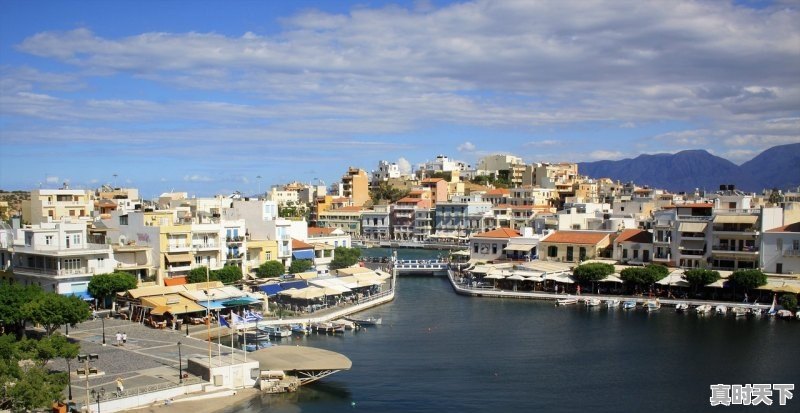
(566, 301)
(703, 309)
(592, 302)
(681, 307)
(300, 328)
(629, 305)
(612, 303)
(347, 324)
(721, 309)
(739, 311)
(368, 321)
(756, 312)
(786, 314)
(275, 331)
(652, 305)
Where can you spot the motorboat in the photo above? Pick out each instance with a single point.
(366, 321)
(253, 336)
(250, 347)
(703, 309)
(612, 303)
(567, 301)
(592, 302)
(652, 305)
(739, 311)
(347, 324)
(756, 311)
(681, 307)
(300, 328)
(275, 331)
(785, 314)
(629, 305)
(721, 309)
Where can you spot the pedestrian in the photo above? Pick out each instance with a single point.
(124, 338)
(119, 339)
(120, 387)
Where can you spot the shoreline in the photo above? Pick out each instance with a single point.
(205, 405)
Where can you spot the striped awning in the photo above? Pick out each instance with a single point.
(735, 219)
(692, 227)
(179, 258)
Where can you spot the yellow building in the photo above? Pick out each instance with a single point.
(356, 185)
(259, 252)
(48, 205)
(575, 246)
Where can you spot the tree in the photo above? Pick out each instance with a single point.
(748, 279)
(344, 257)
(270, 269)
(54, 310)
(384, 191)
(643, 276)
(198, 275)
(103, 286)
(47, 348)
(789, 301)
(229, 274)
(700, 277)
(658, 271)
(592, 272)
(298, 266)
(26, 383)
(13, 299)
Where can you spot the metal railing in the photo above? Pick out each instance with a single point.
(150, 388)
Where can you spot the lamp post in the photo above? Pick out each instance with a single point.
(86, 358)
(185, 311)
(69, 380)
(97, 395)
(180, 364)
(208, 320)
(103, 321)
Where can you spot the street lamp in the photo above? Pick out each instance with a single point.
(185, 311)
(86, 358)
(180, 365)
(103, 321)
(69, 380)
(97, 395)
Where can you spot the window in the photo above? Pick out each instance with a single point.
(123, 220)
(48, 240)
(28, 239)
(198, 259)
(494, 248)
(624, 254)
(552, 251)
(76, 239)
(779, 244)
(72, 263)
(268, 255)
(475, 247)
(796, 244)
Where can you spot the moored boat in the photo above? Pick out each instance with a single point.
(629, 305)
(300, 328)
(275, 331)
(703, 309)
(566, 301)
(592, 302)
(739, 311)
(652, 305)
(721, 309)
(612, 303)
(367, 321)
(347, 324)
(756, 312)
(785, 314)
(681, 307)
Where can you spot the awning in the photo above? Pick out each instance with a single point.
(463, 253)
(160, 310)
(613, 278)
(270, 289)
(692, 245)
(494, 276)
(174, 281)
(173, 258)
(303, 255)
(83, 295)
(735, 219)
(176, 303)
(675, 279)
(692, 227)
(519, 247)
(294, 284)
(213, 304)
(240, 301)
(516, 277)
(306, 275)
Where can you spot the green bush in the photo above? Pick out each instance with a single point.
(592, 272)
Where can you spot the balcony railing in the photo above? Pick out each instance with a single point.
(209, 245)
(791, 253)
(728, 248)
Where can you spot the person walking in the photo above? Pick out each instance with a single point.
(118, 338)
(124, 338)
(120, 387)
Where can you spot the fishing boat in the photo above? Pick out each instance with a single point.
(756, 311)
(275, 331)
(681, 307)
(252, 336)
(629, 305)
(785, 314)
(592, 302)
(300, 328)
(250, 347)
(703, 309)
(566, 301)
(739, 311)
(347, 324)
(612, 303)
(322, 327)
(721, 309)
(367, 321)
(652, 305)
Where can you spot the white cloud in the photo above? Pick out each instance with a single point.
(603, 155)
(52, 180)
(197, 178)
(404, 165)
(466, 147)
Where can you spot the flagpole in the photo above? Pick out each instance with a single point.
(219, 342)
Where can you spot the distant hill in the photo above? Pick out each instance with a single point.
(777, 167)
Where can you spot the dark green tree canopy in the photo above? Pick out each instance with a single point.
(198, 275)
(28, 383)
(270, 269)
(701, 277)
(102, 286)
(54, 310)
(298, 266)
(748, 279)
(229, 274)
(14, 298)
(344, 257)
(789, 301)
(642, 276)
(591, 272)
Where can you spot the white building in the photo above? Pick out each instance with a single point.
(375, 223)
(386, 170)
(780, 251)
(57, 257)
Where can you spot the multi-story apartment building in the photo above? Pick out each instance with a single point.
(375, 223)
(438, 189)
(463, 216)
(347, 218)
(577, 216)
(355, 185)
(386, 170)
(681, 235)
(424, 219)
(49, 205)
(57, 257)
(508, 167)
(633, 246)
(442, 164)
(780, 249)
(404, 217)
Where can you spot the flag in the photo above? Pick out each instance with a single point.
(223, 322)
(235, 319)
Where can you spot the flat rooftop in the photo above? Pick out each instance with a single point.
(288, 358)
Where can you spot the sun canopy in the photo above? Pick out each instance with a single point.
(520, 247)
(173, 258)
(692, 227)
(561, 278)
(735, 219)
(516, 277)
(270, 289)
(675, 279)
(213, 304)
(175, 303)
(303, 255)
(692, 244)
(613, 278)
(494, 276)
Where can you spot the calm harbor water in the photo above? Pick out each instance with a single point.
(437, 351)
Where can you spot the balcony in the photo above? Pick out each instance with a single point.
(237, 239)
(178, 247)
(791, 253)
(729, 249)
(54, 272)
(205, 246)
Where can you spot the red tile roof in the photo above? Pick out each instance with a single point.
(319, 232)
(576, 237)
(635, 235)
(787, 228)
(300, 245)
(499, 233)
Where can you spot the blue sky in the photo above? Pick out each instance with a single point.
(206, 96)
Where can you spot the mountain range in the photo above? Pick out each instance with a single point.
(776, 167)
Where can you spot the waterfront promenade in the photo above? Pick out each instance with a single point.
(465, 289)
